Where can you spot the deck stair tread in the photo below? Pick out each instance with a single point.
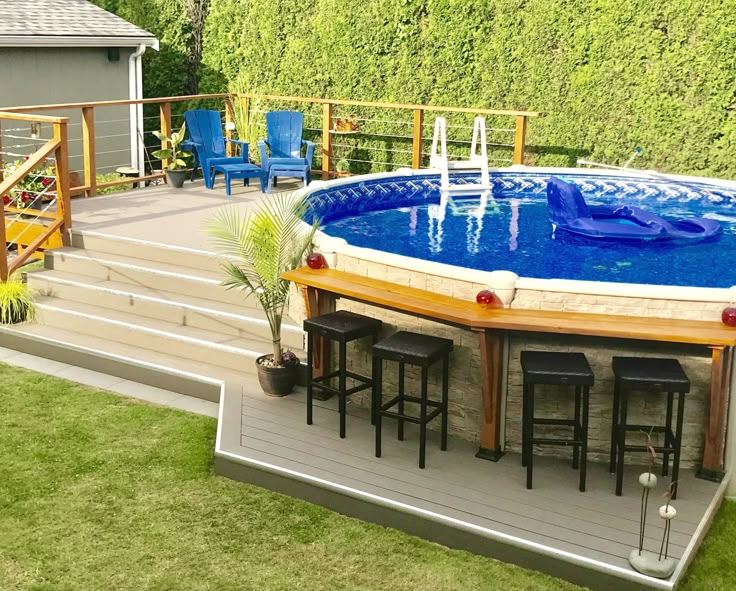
(137, 354)
(168, 298)
(202, 275)
(116, 318)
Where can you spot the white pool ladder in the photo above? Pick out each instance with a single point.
(439, 159)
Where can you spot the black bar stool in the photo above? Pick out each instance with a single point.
(553, 368)
(343, 327)
(653, 375)
(423, 351)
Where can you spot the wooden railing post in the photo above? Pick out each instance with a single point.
(165, 111)
(1, 152)
(326, 139)
(416, 147)
(3, 245)
(63, 202)
(519, 139)
(88, 149)
(229, 118)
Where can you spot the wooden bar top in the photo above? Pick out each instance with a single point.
(476, 317)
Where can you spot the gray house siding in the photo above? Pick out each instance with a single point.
(36, 76)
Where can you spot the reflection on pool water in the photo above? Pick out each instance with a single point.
(513, 233)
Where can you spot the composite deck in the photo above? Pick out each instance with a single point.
(458, 500)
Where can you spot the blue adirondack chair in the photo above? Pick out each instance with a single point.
(281, 152)
(207, 143)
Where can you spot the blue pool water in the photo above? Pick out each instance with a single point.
(513, 233)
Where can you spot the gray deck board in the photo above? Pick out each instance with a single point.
(596, 524)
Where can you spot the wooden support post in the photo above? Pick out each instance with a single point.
(63, 202)
(1, 153)
(88, 149)
(3, 245)
(319, 303)
(491, 364)
(165, 112)
(519, 139)
(326, 140)
(229, 118)
(416, 146)
(715, 430)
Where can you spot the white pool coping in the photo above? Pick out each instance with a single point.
(331, 245)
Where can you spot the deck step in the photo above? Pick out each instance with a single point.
(151, 334)
(185, 310)
(145, 250)
(162, 370)
(150, 274)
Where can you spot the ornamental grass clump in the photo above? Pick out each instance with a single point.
(259, 247)
(16, 302)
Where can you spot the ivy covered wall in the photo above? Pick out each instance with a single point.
(610, 75)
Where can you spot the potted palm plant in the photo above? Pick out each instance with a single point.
(259, 246)
(176, 171)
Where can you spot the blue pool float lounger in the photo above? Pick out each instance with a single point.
(569, 212)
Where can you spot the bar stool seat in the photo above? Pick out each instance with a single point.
(341, 326)
(414, 349)
(556, 368)
(653, 375)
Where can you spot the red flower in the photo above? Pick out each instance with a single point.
(25, 197)
(47, 180)
(6, 199)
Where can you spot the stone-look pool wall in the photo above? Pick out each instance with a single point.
(465, 388)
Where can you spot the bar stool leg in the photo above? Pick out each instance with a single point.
(342, 386)
(423, 418)
(576, 430)
(668, 443)
(614, 425)
(621, 443)
(678, 442)
(401, 401)
(310, 376)
(524, 421)
(529, 427)
(374, 340)
(584, 438)
(445, 396)
(378, 381)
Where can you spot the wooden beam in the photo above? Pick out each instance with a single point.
(3, 244)
(89, 150)
(317, 304)
(326, 139)
(491, 367)
(63, 201)
(519, 139)
(717, 414)
(416, 147)
(16, 114)
(165, 113)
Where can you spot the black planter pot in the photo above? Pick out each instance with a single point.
(276, 381)
(176, 178)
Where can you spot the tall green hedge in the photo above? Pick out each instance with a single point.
(610, 75)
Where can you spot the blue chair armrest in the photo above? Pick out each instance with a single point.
(310, 151)
(264, 154)
(243, 148)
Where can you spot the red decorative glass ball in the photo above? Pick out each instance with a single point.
(489, 299)
(316, 260)
(729, 316)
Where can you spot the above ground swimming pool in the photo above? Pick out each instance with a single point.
(406, 215)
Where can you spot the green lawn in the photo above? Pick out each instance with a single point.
(99, 492)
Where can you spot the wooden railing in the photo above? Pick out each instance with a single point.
(89, 109)
(31, 222)
(60, 219)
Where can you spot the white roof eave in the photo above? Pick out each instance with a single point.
(76, 41)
